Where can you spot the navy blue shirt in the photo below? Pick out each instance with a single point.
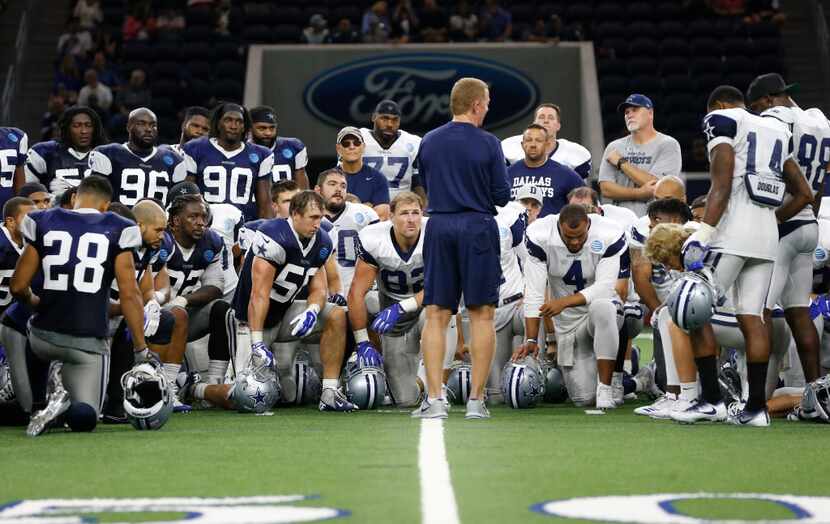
(369, 185)
(290, 154)
(553, 179)
(463, 169)
(133, 177)
(57, 166)
(13, 148)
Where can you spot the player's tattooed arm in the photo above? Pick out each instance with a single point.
(802, 194)
(27, 265)
(722, 160)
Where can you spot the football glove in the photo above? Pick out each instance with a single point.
(337, 299)
(820, 306)
(696, 247)
(145, 355)
(152, 316)
(304, 322)
(386, 319)
(367, 355)
(261, 355)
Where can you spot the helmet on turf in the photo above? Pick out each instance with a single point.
(306, 380)
(729, 381)
(257, 387)
(459, 382)
(815, 402)
(691, 301)
(555, 390)
(148, 400)
(522, 383)
(6, 389)
(365, 385)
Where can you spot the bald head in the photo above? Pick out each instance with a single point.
(141, 112)
(670, 187)
(152, 220)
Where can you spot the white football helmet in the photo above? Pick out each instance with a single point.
(522, 383)
(256, 388)
(692, 301)
(148, 400)
(459, 382)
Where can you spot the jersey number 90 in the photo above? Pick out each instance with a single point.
(222, 187)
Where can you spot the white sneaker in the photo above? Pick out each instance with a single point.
(605, 397)
(699, 411)
(660, 409)
(618, 389)
(737, 415)
(435, 409)
(476, 408)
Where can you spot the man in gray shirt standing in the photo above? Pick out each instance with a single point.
(633, 164)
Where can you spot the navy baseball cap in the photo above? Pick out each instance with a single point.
(182, 188)
(768, 84)
(636, 100)
(388, 107)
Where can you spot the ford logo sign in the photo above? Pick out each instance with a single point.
(420, 84)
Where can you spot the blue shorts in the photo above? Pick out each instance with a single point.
(461, 255)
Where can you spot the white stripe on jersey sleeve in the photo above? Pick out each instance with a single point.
(99, 163)
(179, 173)
(130, 238)
(266, 166)
(35, 166)
(23, 145)
(267, 249)
(301, 159)
(28, 228)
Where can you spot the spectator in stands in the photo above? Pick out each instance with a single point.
(170, 24)
(540, 32)
(49, 121)
(138, 25)
(135, 94)
(88, 13)
(404, 22)
(223, 18)
(496, 22)
(107, 74)
(463, 23)
(560, 33)
(764, 11)
(95, 94)
(75, 40)
(317, 31)
(433, 22)
(376, 25)
(69, 97)
(728, 7)
(344, 33)
(68, 74)
(633, 164)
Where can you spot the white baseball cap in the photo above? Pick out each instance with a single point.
(529, 191)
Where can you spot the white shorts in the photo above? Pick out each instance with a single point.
(746, 281)
(792, 279)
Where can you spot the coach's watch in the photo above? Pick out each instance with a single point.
(620, 162)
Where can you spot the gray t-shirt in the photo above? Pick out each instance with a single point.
(660, 157)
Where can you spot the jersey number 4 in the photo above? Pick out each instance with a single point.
(88, 273)
(574, 276)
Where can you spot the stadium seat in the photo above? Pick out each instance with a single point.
(163, 106)
(613, 84)
(164, 88)
(618, 45)
(643, 47)
(550, 8)
(200, 69)
(287, 34)
(763, 30)
(610, 101)
(671, 29)
(523, 13)
(311, 10)
(611, 66)
(706, 47)
(196, 51)
(168, 50)
(705, 82)
(198, 92)
(609, 30)
(579, 12)
(641, 65)
(167, 70)
(648, 84)
(706, 65)
(230, 70)
(226, 51)
(739, 46)
(168, 127)
(129, 67)
(676, 102)
(685, 121)
(740, 64)
(609, 11)
(674, 65)
(668, 11)
(674, 47)
(350, 12)
(137, 51)
(227, 90)
(702, 28)
(640, 11)
(767, 45)
(740, 80)
(643, 28)
(200, 16)
(678, 83)
(290, 16)
(198, 33)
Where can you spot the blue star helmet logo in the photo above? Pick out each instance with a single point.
(13, 137)
(287, 153)
(163, 255)
(209, 255)
(254, 157)
(324, 253)
(168, 160)
(258, 397)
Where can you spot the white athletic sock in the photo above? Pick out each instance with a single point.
(627, 366)
(688, 391)
(171, 372)
(671, 396)
(216, 371)
(199, 391)
(422, 372)
(617, 379)
(329, 383)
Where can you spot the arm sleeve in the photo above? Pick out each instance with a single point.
(719, 129)
(517, 230)
(266, 166)
(584, 169)
(35, 166)
(362, 253)
(28, 228)
(130, 239)
(23, 149)
(189, 163)
(268, 249)
(536, 280)
(179, 172)
(214, 274)
(669, 160)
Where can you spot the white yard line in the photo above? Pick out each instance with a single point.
(437, 496)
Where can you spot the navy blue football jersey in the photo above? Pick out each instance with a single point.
(277, 242)
(77, 251)
(56, 166)
(290, 154)
(228, 177)
(134, 178)
(9, 253)
(201, 265)
(13, 147)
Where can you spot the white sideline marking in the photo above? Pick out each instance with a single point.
(437, 496)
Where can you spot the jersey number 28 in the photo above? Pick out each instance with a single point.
(88, 273)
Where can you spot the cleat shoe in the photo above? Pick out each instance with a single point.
(738, 416)
(445, 397)
(180, 407)
(644, 379)
(114, 418)
(660, 409)
(617, 388)
(476, 408)
(48, 417)
(605, 397)
(335, 400)
(699, 411)
(427, 409)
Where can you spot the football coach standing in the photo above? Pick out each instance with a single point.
(463, 169)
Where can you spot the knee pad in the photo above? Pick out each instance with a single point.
(81, 417)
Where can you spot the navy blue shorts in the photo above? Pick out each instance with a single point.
(461, 255)
(164, 333)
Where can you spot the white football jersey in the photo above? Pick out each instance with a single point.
(748, 227)
(811, 146)
(638, 232)
(400, 275)
(396, 163)
(592, 272)
(344, 238)
(821, 256)
(621, 216)
(568, 153)
(227, 220)
(512, 222)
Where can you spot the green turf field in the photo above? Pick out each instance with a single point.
(367, 464)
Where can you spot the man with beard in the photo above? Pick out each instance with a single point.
(138, 169)
(229, 170)
(392, 151)
(553, 179)
(196, 124)
(290, 154)
(348, 220)
(62, 163)
(633, 164)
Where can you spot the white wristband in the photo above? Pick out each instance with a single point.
(159, 296)
(361, 335)
(256, 337)
(409, 305)
(314, 307)
(179, 301)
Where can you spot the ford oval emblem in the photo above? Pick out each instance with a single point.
(420, 83)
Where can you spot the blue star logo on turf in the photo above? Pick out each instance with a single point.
(254, 157)
(287, 153)
(258, 397)
(708, 130)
